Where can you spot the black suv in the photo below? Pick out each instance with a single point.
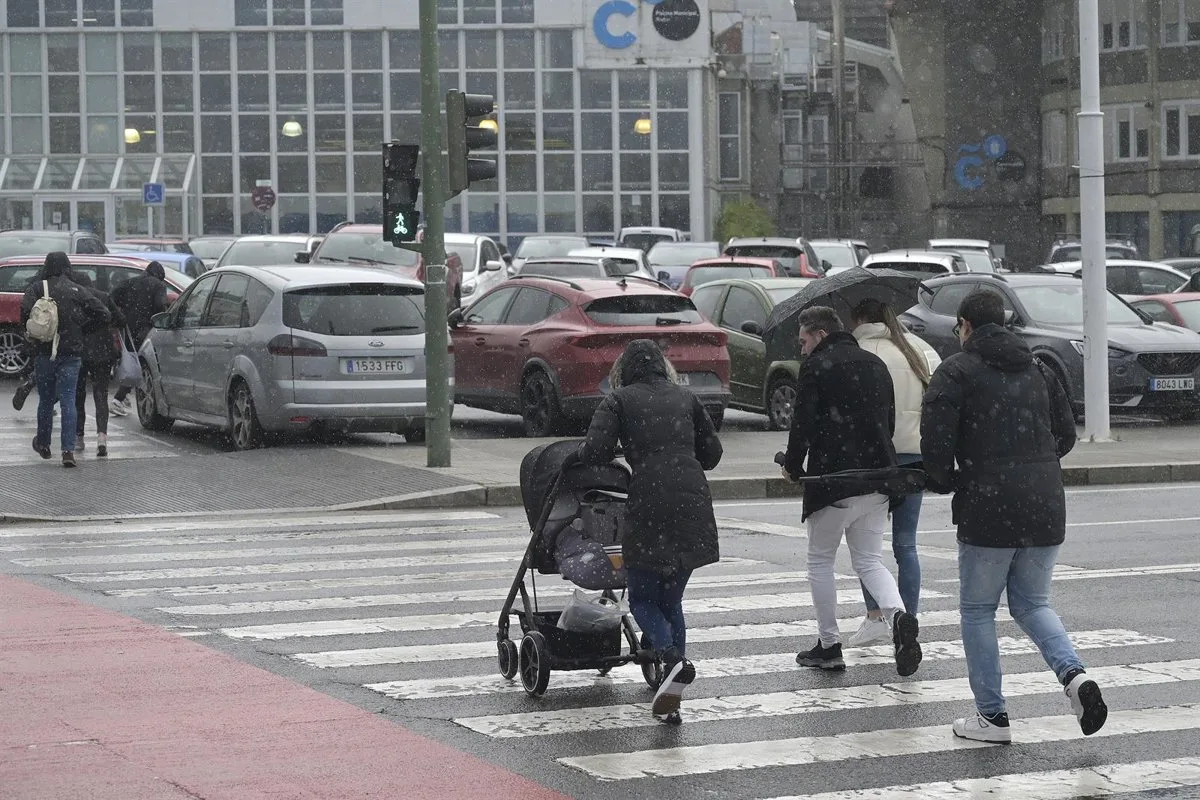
(39, 243)
(1151, 366)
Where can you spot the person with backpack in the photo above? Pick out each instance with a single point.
(139, 300)
(54, 311)
(100, 354)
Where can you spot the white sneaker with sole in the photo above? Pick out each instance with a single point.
(979, 729)
(118, 408)
(1087, 703)
(871, 631)
(670, 693)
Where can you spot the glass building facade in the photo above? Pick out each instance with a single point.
(99, 97)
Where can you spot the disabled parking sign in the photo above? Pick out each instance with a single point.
(153, 194)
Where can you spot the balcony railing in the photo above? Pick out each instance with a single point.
(854, 154)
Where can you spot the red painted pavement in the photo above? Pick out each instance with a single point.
(96, 705)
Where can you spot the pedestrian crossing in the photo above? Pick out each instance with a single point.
(125, 440)
(404, 606)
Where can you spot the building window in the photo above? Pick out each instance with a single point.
(1180, 19)
(1181, 130)
(1122, 24)
(23, 15)
(1054, 32)
(60, 13)
(1126, 133)
(137, 13)
(326, 12)
(1054, 139)
(729, 136)
(516, 12)
(250, 12)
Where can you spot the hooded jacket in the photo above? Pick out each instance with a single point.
(100, 348)
(669, 441)
(844, 418)
(874, 337)
(1006, 420)
(142, 298)
(77, 307)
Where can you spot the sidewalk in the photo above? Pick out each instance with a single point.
(485, 472)
(102, 706)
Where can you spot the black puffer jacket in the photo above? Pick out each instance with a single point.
(99, 338)
(142, 298)
(844, 418)
(669, 441)
(77, 307)
(1007, 421)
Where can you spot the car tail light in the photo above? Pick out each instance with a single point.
(286, 344)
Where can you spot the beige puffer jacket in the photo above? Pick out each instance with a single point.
(873, 337)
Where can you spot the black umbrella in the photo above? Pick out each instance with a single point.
(844, 290)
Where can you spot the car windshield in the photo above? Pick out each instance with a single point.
(644, 241)
(261, 253)
(1074, 252)
(1190, 311)
(977, 261)
(643, 310)
(779, 295)
(18, 278)
(765, 251)
(1062, 304)
(358, 309)
(562, 269)
(364, 248)
(465, 251)
(33, 243)
(549, 247)
(624, 266)
(924, 267)
(839, 255)
(678, 254)
(209, 248)
(699, 275)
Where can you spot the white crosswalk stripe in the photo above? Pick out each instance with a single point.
(448, 572)
(124, 442)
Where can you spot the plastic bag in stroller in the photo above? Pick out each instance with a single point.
(576, 516)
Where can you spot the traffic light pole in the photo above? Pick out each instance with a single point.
(438, 399)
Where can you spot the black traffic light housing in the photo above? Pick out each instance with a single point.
(400, 188)
(462, 136)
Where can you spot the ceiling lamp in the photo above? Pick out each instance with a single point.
(132, 136)
(643, 126)
(292, 129)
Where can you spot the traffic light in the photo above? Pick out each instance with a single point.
(462, 137)
(400, 187)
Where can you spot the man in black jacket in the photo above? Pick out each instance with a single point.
(844, 418)
(1004, 417)
(139, 300)
(58, 372)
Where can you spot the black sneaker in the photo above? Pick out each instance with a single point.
(21, 395)
(44, 452)
(908, 649)
(68, 459)
(680, 675)
(101, 451)
(828, 658)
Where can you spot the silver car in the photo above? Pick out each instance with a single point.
(253, 350)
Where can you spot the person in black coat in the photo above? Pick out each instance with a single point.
(1006, 420)
(669, 441)
(844, 418)
(100, 354)
(57, 367)
(139, 300)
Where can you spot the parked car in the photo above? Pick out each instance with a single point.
(581, 267)
(266, 250)
(188, 264)
(255, 350)
(630, 257)
(149, 244)
(545, 246)
(1188, 266)
(976, 252)
(837, 254)
(1067, 247)
(643, 237)
(670, 261)
(543, 347)
(107, 272)
(1152, 367)
(715, 269)
(210, 248)
(363, 245)
(1129, 278)
(482, 265)
(925, 262)
(1178, 308)
(39, 243)
(798, 255)
(761, 382)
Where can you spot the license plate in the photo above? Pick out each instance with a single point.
(1172, 384)
(685, 379)
(374, 366)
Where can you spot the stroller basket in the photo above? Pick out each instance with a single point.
(571, 645)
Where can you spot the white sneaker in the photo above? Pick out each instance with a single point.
(977, 728)
(870, 632)
(670, 693)
(118, 408)
(1087, 703)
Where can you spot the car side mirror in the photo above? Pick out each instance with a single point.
(1011, 320)
(161, 321)
(664, 276)
(752, 328)
(455, 318)
(825, 265)
(303, 257)
(493, 266)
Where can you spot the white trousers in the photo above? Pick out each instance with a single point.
(863, 520)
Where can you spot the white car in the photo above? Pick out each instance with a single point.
(483, 266)
(644, 237)
(622, 255)
(976, 252)
(1127, 277)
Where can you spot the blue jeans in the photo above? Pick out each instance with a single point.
(56, 381)
(904, 548)
(656, 601)
(985, 572)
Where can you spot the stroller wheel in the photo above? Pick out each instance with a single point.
(652, 672)
(506, 658)
(535, 664)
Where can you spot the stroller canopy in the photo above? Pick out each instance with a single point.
(542, 465)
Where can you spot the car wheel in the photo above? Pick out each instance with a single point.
(541, 413)
(245, 433)
(147, 405)
(781, 399)
(13, 355)
(415, 434)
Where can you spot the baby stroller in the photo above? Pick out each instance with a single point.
(576, 515)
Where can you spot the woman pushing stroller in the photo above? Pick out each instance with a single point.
(669, 441)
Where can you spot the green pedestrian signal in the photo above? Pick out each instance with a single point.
(400, 188)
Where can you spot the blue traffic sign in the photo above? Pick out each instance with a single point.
(153, 194)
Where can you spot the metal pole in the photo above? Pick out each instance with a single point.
(839, 99)
(438, 398)
(1091, 213)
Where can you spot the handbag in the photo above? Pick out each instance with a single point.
(129, 368)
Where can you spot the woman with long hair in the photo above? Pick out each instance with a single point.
(911, 362)
(669, 441)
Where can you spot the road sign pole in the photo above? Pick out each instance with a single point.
(438, 399)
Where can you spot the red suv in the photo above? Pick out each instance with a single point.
(542, 347)
(363, 245)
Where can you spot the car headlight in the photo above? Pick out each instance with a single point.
(1113, 352)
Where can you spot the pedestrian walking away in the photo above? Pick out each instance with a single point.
(844, 418)
(139, 300)
(99, 355)
(910, 362)
(55, 310)
(1006, 420)
(669, 441)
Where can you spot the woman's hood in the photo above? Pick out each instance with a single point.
(642, 362)
(872, 330)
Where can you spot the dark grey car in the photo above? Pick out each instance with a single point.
(1152, 367)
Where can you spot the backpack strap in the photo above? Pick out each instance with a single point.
(46, 296)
